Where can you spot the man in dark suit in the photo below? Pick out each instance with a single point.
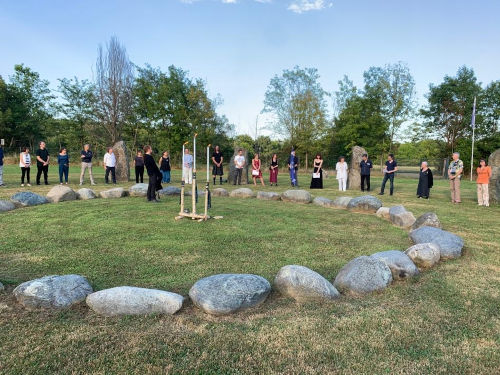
(154, 175)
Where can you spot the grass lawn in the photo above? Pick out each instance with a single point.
(446, 321)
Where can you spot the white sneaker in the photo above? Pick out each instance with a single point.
(22, 184)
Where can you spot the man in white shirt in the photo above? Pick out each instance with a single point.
(239, 163)
(187, 168)
(109, 165)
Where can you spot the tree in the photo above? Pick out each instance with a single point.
(298, 102)
(395, 87)
(114, 84)
(346, 91)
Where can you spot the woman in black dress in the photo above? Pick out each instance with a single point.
(317, 177)
(425, 181)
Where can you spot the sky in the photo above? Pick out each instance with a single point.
(237, 46)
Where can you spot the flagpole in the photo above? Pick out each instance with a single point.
(473, 121)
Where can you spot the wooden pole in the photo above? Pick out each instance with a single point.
(208, 182)
(193, 197)
(182, 179)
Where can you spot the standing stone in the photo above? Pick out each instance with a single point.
(424, 255)
(494, 186)
(429, 219)
(53, 292)
(450, 245)
(6, 206)
(304, 284)
(61, 193)
(400, 264)
(122, 162)
(232, 168)
(400, 217)
(354, 177)
(228, 293)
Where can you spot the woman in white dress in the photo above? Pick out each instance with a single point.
(341, 168)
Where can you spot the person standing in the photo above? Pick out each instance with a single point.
(139, 167)
(293, 166)
(256, 170)
(42, 163)
(1, 165)
(273, 170)
(86, 157)
(365, 167)
(63, 161)
(217, 160)
(391, 167)
(425, 181)
(187, 168)
(341, 168)
(153, 174)
(455, 170)
(25, 164)
(317, 176)
(239, 164)
(483, 180)
(165, 167)
(110, 165)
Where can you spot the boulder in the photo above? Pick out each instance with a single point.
(400, 217)
(228, 293)
(400, 264)
(298, 196)
(429, 219)
(341, 202)
(27, 198)
(324, 202)
(362, 275)
(242, 193)
(122, 169)
(354, 177)
(424, 255)
(365, 203)
(232, 168)
(303, 284)
(113, 193)
(61, 193)
(6, 206)
(494, 185)
(383, 212)
(138, 190)
(171, 190)
(220, 192)
(85, 194)
(450, 245)
(268, 195)
(53, 292)
(128, 300)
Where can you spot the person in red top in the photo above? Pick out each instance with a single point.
(483, 179)
(256, 171)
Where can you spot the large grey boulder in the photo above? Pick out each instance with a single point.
(383, 212)
(450, 245)
(242, 193)
(323, 202)
(113, 193)
(400, 217)
(61, 193)
(400, 264)
(364, 203)
(341, 202)
(424, 255)
(364, 274)
(172, 190)
(268, 195)
(298, 196)
(128, 300)
(220, 192)
(85, 194)
(122, 161)
(53, 292)
(138, 190)
(228, 293)
(27, 198)
(303, 284)
(6, 206)
(429, 219)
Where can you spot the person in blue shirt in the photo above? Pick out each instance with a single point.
(1, 166)
(365, 167)
(63, 161)
(391, 167)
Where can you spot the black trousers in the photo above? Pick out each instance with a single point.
(390, 177)
(152, 187)
(25, 172)
(365, 178)
(139, 174)
(42, 169)
(113, 174)
(237, 175)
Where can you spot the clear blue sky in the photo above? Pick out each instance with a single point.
(238, 45)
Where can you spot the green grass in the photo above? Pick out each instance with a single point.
(445, 321)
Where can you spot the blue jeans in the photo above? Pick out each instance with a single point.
(63, 170)
(166, 176)
(390, 177)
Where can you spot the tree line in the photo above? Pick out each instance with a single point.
(146, 105)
